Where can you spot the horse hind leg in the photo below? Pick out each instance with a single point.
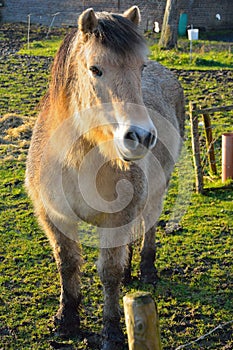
(111, 265)
(67, 254)
(147, 267)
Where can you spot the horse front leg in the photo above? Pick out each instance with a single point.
(111, 265)
(147, 267)
(68, 259)
(127, 270)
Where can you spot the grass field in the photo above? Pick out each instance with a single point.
(204, 55)
(194, 258)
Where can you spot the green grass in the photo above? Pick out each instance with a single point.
(46, 48)
(194, 292)
(220, 56)
(194, 259)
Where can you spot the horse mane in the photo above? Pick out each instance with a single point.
(118, 34)
(114, 32)
(61, 63)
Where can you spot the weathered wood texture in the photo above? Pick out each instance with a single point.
(210, 144)
(213, 109)
(194, 112)
(142, 322)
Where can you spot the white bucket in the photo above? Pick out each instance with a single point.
(193, 34)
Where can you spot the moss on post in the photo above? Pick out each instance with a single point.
(142, 322)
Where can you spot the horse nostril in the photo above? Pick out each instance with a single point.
(135, 137)
(131, 140)
(130, 135)
(152, 140)
(147, 140)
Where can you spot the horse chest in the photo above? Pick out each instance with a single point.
(105, 195)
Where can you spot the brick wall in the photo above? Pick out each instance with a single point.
(201, 13)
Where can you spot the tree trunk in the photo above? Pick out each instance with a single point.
(168, 39)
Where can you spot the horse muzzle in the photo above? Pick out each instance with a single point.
(136, 142)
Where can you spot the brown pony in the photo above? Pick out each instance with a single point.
(102, 152)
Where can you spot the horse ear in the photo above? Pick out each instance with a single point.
(133, 14)
(87, 21)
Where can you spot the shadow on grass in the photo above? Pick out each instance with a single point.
(223, 193)
(202, 62)
(191, 308)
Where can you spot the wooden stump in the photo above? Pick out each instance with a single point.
(142, 322)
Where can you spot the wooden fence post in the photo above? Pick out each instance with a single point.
(196, 147)
(142, 322)
(209, 144)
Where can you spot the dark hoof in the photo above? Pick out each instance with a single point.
(113, 337)
(111, 345)
(66, 326)
(149, 276)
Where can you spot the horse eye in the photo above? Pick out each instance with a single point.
(95, 71)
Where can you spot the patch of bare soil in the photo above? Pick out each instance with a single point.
(15, 35)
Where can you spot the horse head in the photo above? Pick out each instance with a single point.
(105, 59)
